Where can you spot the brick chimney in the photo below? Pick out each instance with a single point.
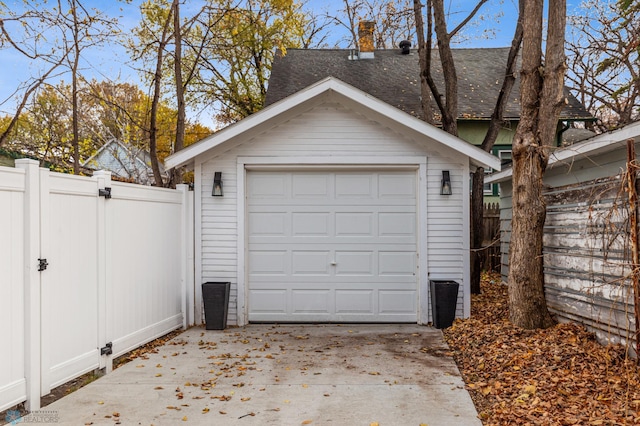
(365, 35)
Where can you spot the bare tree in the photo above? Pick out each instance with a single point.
(180, 87)
(497, 121)
(394, 21)
(447, 102)
(25, 34)
(541, 97)
(604, 63)
(63, 33)
(157, 88)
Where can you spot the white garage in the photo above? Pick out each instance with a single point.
(330, 209)
(332, 246)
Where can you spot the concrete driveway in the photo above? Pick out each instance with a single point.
(282, 375)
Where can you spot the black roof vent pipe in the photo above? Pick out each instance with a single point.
(405, 45)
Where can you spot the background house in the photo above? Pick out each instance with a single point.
(586, 234)
(331, 210)
(394, 78)
(124, 162)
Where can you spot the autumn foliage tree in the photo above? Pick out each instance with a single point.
(235, 66)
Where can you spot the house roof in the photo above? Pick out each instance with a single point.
(395, 79)
(374, 107)
(600, 144)
(123, 161)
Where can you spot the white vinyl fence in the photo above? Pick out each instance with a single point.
(85, 274)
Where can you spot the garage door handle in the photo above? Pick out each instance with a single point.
(333, 263)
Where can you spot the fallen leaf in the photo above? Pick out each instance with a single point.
(306, 422)
(184, 419)
(205, 410)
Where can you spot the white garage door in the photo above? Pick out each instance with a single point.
(333, 246)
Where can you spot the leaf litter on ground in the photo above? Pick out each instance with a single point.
(557, 376)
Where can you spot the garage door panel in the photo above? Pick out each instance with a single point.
(396, 186)
(311, 301)
(268, 262)
(271, 301)
(268, 186)
(310, 186)
(311, 224)
(355, 301)
(349, 224)
(310, 262)
(337, 246)
(397, 224)
(397, 301)
(393, 263)
(268, 223)
(354, 263)
(354, 186)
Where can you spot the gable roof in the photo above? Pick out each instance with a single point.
(315, 92)
(600, 144)
(395, 79)
(123, 161)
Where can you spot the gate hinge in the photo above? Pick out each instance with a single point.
(105, 192)
(42, 264)
(107, 350)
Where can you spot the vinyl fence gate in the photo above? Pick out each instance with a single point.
(89, 270)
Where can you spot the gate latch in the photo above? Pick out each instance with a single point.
(42, 264)
(107, 350)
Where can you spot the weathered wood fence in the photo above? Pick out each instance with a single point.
(490, 252)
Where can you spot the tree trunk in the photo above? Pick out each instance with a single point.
(477, 227)
(424, 57)
(74, 90)
(540, 94)
(450, 111)
(497, 120)
(153, 121)
(180, 125)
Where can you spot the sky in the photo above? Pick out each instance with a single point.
(112, 61)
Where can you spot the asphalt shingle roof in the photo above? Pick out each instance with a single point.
(394, 78)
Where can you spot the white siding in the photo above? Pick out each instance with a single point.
(329, 131)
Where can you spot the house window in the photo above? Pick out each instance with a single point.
(505, 157)
(488, 188)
